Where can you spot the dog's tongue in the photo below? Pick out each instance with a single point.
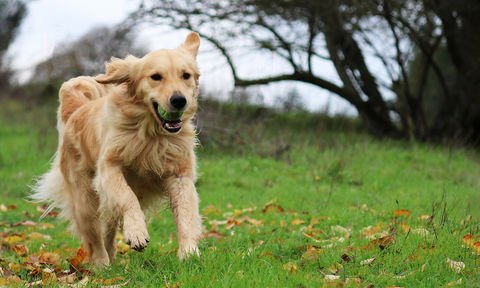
(173, 125)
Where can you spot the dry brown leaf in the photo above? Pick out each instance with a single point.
(401, 212)
(112, 280)
(82, 283)
(382, 243)
(68, 279)
(122, 248)
(49, 279)
(468, 240)
(50, 258)
(290, 267)
(425, 217)
(272, 208)
(346, 257)
(233, 222)
(297, 221)
(21, 250)
(82, 254)
(24, 223)
(476, 246)
(12, 206)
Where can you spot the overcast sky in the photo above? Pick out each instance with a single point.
(51, 22)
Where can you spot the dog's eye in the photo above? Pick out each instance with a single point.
(156, 77)
(186, 76)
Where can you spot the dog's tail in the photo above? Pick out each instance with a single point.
(51, 188)
(75, 93)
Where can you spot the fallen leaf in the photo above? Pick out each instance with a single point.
(297, 221)
(346, 258)
(50, 258)
(368, 261)
(21, 250)
(454, 283)
(425, 217)
(82, 254)
(382, 243)
(13, 239)
(75, 265)
(468, 240)
(215, 234)
(44, 226)
(112, 280)
(290, 267)
(210, 209)
(401, 212)
(476, 246)
(457, 266)
(311, 254)
(233, 222)
(339, 230)
(122, 248)
(272, 208)
(68, 279)
(331, 277)
(24, 223)
(421, 231)
(12, 206)
(49, 279)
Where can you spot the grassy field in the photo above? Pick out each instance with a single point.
(288, 201)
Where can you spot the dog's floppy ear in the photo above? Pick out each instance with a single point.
(192, 43)
(117, 70)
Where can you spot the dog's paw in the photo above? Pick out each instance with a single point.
(136, 234)
(187, 252)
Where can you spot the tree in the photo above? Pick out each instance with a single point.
(83, 57)
(345, 32)
(12, 13)
(87, 55)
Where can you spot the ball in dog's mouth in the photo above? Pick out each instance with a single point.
(171, 121)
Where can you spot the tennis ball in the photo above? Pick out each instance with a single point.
(169, 116)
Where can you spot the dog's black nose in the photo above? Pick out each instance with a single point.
(178, 101)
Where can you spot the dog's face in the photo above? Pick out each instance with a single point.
(165, 81)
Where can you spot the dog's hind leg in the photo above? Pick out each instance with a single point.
(111, 229)
(85, 203)
(88, 224)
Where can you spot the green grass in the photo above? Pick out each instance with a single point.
(349, 178)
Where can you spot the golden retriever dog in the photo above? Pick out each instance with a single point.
(126, 142)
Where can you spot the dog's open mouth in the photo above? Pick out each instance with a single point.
(171, 121)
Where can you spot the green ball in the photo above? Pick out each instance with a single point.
(170, 116)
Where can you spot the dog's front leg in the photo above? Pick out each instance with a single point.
(120, 201)
(184, 204)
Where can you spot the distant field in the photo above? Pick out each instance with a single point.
(284, 206)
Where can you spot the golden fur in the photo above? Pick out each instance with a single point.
(115, 159)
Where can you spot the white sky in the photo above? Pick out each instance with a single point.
(51, 22)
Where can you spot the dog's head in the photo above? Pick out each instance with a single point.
(165, 81)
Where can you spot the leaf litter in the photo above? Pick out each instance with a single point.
(70, 267)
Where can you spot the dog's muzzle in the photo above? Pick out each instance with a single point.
(171, 121)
